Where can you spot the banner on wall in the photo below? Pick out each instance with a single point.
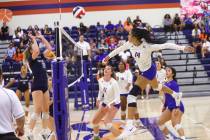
(191, 7)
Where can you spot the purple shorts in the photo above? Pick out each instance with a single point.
(116, 105)
(150, 74)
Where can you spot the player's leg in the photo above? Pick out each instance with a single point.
(19, 94)
(27, 101)
(176, 122)
(123, 103)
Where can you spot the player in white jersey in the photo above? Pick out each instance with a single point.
(108, 103)
(124, 79)
(141, 49)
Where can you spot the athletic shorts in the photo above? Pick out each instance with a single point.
(23, 88)
(51, 110)
(150, 74)
(124, 95)
(8, 136)
(116, 105)
(40, 83)
(181, 107)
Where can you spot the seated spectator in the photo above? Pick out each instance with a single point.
(121, 41)
(18, 56)
(128, 25)
(112, 44)
(101, 35)
(10, 52)
(195, 19)
(99, 26)
(102, 45)
(82, 28)
(30, 29)
(177, 23)
(137, 22)
(157, 54)
(4, 33)
(19, 32)
(109, 26)
(196, 42)
(167, 23)
(94, 49)
(188, 23)
(205, 47)
(203, 36)
(47, 30)
(119, 25)
(36, 29)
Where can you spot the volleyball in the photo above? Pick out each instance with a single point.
(79, 12)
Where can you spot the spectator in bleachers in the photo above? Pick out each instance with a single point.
(101, 35)
(36, 29)
(99, 26)
(18, 33)
(109, 27)
(102, 45)
(195, 19)
(10, 53)
(119, 25)
(187, 23)
(94, 49)
(205, 47)
(196, 42)
(121, 41)
(30, 29)
(112, 43)
(4, 32)
(18, 56)
(177, 23)
(47, 30)
(157, 54)
(128, 25)
(82, 28)
(163, 62)
(167, 23)
(86, 51)
(137, 22)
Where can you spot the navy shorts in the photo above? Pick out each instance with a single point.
(124, 95)
(116, 105)
(150, 74)
(181, 107)
(51, 110)
(39, 84)
(23, 88)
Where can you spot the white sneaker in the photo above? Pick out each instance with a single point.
(44, 134)
(169, 137)
(30, 137)
(129, 130)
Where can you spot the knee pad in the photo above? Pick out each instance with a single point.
(162, 127)
(108, 126)
(135, 90)
(35, 116)
(131, 101)
(159, 88)
(45, 115)
(177, 127)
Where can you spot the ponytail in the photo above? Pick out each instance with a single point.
(143, 34)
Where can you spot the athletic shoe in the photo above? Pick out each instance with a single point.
(30, 137)
(129, 130)
(44, 134)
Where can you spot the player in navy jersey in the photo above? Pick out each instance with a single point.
(39, 88)
(172, 109)
(22, 80)
(141, 49)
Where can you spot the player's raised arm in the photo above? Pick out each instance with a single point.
(124, 47)
(156, 47)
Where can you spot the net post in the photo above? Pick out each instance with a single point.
(60, 91)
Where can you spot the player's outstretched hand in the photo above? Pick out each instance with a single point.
(189, 49)
(105, 60)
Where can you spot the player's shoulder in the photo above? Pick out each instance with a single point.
(9, 91)
(114, 81)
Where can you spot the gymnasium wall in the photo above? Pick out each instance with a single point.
(43, 12)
